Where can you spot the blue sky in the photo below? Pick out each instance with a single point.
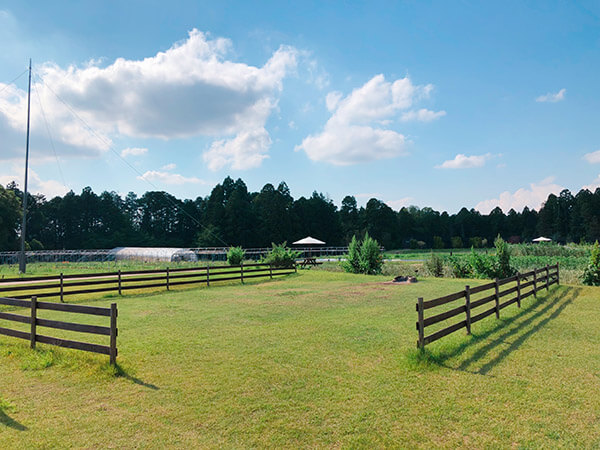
(441, 104)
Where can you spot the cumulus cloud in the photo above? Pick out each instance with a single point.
(552, 98)
(36, 185)
(356, 131)
(170, 166)
(168, 178)
(593, 157)
(462, 161)
(247, 150)
(422, 115)
(532, 197)
(135, 151)
(188, 90)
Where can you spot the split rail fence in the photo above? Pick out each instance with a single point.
(523, 284)
(34, 321)
(76, 284)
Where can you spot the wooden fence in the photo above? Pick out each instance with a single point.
(34, 321)
(523, 284)
(64, 285)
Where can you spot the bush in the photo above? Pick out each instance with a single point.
(438, 242)
(36, 245)
(435, 265)
(370, 258)
(591, 274)
(483, 266)
(504, 269)
(235, 256)
(352, 263)
(461, 268)
(456, 242)
(363, 257)
(281, 256)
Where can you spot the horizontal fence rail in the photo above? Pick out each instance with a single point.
(75, 284)
(34, 321)
(460, 305)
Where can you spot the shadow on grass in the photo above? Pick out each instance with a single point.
(6, 420)
(120, 372)
(523, 328)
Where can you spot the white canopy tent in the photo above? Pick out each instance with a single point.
(542, 239)
(307, 243)
(308, 240)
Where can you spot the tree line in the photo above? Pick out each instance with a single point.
(231, 215)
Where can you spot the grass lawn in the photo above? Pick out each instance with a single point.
(318, 359)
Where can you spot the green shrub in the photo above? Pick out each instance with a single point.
(483, 266)
(438, 242)
(352, 263)
(435, 265)
(235, 256)
(456, 242)
(591, 274)
(281, 256)
(363, 257)
(461, 268)
(504, 269)
(370, 257)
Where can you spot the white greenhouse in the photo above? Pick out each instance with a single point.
(148, 254)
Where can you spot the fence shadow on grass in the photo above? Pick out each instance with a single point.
(521, 331)
(8, 421)
(123, 373)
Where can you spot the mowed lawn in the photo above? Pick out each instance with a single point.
(316, 359)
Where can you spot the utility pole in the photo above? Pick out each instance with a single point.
(22, 257)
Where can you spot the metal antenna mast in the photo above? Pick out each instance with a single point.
(22, 257)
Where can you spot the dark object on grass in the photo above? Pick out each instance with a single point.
(403, 279)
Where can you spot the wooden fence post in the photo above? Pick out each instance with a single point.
(33, 320)
(208, 275)
(420, 326)
(468, 308)
(557, 275)
(62, 292)
(113, 334)
(242, 271)
(119, 281)
(547, 278)
(271, 270)
(497, 299)
(535, 283)
(519, 289)
(167, 278)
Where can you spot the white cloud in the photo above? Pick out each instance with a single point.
(422, 115)
(134, 151)
(188, 90)
(397, 205)
(462, 161)
(552, 98)
(593, 157)
(170, 166)
(593, 185)
(168, 178)
(35, 185)
(332, 99)
(532, 197)
(246, 151)
(354, 133)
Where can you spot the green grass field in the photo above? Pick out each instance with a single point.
(318, 359)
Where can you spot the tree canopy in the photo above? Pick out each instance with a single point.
(231, 215)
